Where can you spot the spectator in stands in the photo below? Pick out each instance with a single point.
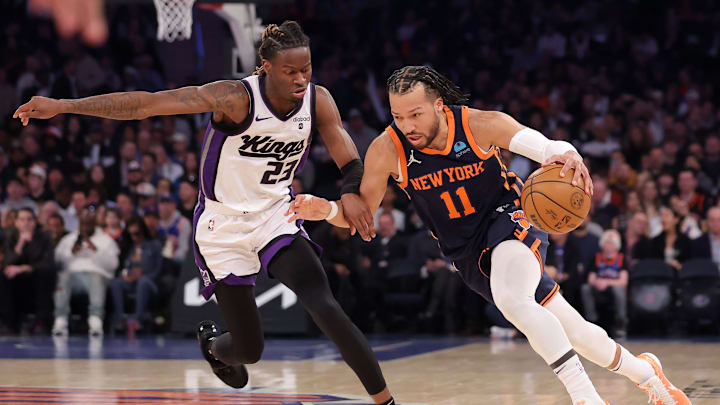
(651, 205)
(175, 229)
(708, 245)
(37, 189)
(126, 206)
(87, 259)
(359, 131)
(28, 277)
(378, 255)
(607, 275)
(442, 285)
(100, 182)
(688, 187)
(166, 168)
(148, 162)
(47, 209)
(146, 201)
(603, 211)
(635, 236)
(55, 228)
(16, 196)
(387, 205)
(113, 224)
(188, 193)
(180, 147)
(141, 262)
(562, 264)
(587, 245)
(670, 245)
(688, 224)
(341, 261)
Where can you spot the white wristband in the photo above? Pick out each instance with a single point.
(333, 211)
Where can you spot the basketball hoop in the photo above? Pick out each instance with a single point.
(174, 19)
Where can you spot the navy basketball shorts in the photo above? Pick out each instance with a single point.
(508, 225)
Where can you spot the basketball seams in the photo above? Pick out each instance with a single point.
(532, 180)
(556, 203)
(563, 182)
(530, 194)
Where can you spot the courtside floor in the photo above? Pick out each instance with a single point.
(443, 371)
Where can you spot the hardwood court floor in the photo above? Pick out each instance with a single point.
(420, 371)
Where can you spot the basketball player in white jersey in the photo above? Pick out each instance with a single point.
(444, 156)
(256, 141)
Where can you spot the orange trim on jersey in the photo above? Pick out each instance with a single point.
(550, 295)
(471, 139)
(520, 234)
(517, 202)
(401, 156)
(480, 260)
(517, 190)
(536, 252)
(497, 155)
(450, 136)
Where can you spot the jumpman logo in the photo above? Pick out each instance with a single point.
(412, 159)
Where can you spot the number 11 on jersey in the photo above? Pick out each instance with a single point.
(452, 211)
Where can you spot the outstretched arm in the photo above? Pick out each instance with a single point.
(227, 99)
(499, 129)
(344, 153)
(380, 162)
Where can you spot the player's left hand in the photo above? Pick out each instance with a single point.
(572, 160)
(358, 215)
(308, 207)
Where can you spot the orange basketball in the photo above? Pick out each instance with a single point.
(552, 203)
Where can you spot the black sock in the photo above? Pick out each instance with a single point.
(390, 401)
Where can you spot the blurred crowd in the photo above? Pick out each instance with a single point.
(105, 207)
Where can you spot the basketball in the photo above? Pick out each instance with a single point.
(552, 203)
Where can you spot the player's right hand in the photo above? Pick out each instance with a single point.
(308, 207)
(38, 107)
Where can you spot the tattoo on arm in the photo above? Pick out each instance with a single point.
(119, 106)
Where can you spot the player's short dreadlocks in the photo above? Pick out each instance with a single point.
(277, 38)
(436, 85)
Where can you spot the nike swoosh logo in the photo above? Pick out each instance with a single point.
(262, 119)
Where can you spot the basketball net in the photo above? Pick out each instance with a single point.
(174, 19)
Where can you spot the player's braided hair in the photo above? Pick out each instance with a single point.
(276, 38)
(404, 79)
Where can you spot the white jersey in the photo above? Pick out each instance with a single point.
(249, 169)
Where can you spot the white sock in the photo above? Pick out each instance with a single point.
(637, 370)
(576, 381)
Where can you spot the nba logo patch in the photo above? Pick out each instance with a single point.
(520, 218)
(300, 125)
(211, 225)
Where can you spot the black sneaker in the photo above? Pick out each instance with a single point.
(234, 376)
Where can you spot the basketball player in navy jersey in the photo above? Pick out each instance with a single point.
(256, 141)
(445, 157)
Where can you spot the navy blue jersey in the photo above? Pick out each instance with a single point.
(456, 191)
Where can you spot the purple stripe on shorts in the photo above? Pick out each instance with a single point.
(268, 252)
(209, 159)
(231, 279)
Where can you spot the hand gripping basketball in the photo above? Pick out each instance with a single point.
(552, 202)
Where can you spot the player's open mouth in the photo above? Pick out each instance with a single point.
(414, 138)
(299, 93)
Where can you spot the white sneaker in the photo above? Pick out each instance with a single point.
(95, 325)
(60, 327)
